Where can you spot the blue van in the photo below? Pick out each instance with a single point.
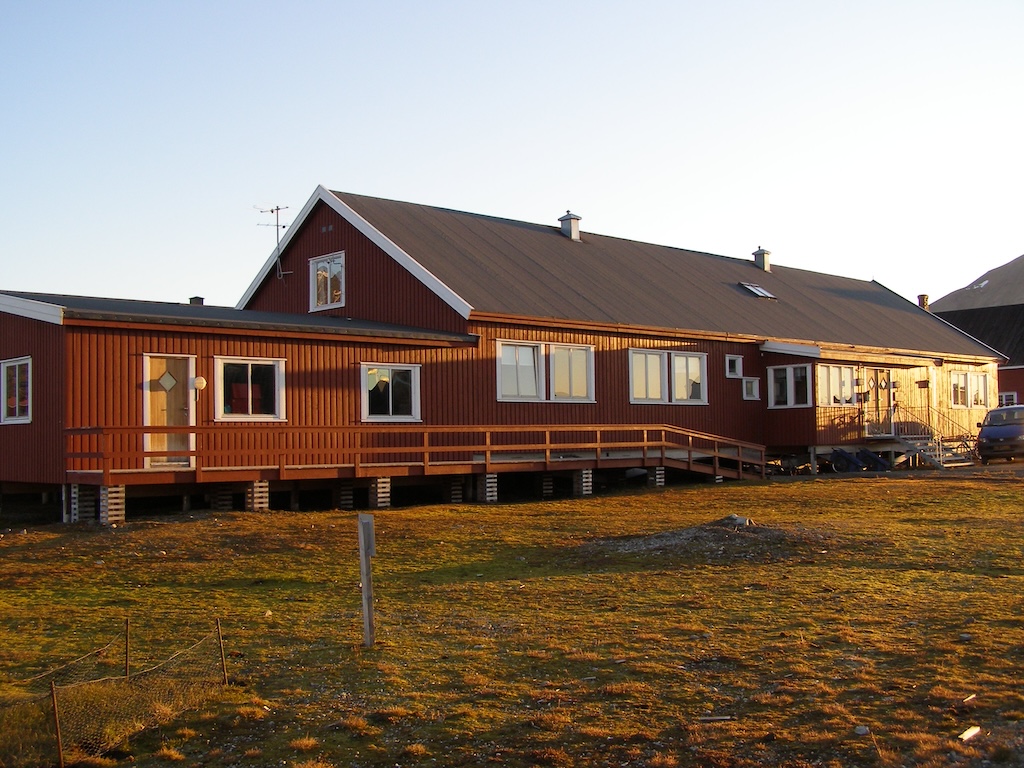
(1002, 434)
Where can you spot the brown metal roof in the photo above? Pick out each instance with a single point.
(516, 268)
(211, 316)
(999, 287)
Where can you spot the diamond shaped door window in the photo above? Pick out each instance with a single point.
(167, 381)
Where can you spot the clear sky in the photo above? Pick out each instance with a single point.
(877, 139)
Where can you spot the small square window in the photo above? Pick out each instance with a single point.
(751, 388)
(249, 389)
(734, 366)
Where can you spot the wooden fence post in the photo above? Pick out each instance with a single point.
(223, 660)
(56, 723)
(367, 549)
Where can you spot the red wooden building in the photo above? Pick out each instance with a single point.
(388, 342)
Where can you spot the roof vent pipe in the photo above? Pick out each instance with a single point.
(761, 259)
(923, 303)
(570, 225)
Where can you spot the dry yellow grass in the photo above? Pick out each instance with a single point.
(850, 627)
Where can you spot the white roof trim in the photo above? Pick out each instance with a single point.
(34, 310)
(375, 236)
(783, 348)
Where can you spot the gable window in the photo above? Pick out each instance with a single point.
(327, 281)
(249, 389)
(970, 390)
(391, 392)
(789, 386)
(688, 378)
(572, 372)
(835, 385)
(15, 381)
(733, 367)
(751, 388)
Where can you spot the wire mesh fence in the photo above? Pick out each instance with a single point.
(93, 704)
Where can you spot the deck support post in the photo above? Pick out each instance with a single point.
(547, 486)
(583, 482)
(814, 460)
(293, 499)
(341, 496)
(380, 492)
(111, 504)
(656, 477)
(221, 500)
(83, 504)
(487, 488)
(257, 496)
(456, 491)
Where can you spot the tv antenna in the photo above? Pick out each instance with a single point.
(278, 226)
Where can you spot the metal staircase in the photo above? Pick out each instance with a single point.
(933, 438)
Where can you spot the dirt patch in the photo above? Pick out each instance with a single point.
(731, 538)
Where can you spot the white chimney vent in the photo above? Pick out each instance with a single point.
(761, 260)
(570, 225)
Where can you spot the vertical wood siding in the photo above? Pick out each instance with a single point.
(377, 288)
(33, 453)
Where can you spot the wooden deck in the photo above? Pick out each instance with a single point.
(250, 452)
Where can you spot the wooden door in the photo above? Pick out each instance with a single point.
(169, 404)
(878, 403)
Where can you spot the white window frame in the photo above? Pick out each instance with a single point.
(537, 351)
(664, 373)
(751, 388)
(790, 400)
(847, 390)
(574, 350)
(314, 265)
(702, 364)
(734, 366)
(1007, 398)
(370, 371)
(6, 365)
(649, 356)
(218, 388)
(968, 390)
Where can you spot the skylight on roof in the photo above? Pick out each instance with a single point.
(757, 290)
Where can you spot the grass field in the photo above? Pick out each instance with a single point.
(860, 622)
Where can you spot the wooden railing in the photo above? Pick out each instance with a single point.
(283, 452)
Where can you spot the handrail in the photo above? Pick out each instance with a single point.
(939, 424)
(239, 446)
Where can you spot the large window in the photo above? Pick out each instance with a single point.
(789, 386)
(391, 392)
(16, 383)
(249, 389)
(688, 379)
(572, 374)
(327, 281)
(520, 371)
(970, 390)
(836, 385)
(647, 376)
(653, 375)
(536, 371)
